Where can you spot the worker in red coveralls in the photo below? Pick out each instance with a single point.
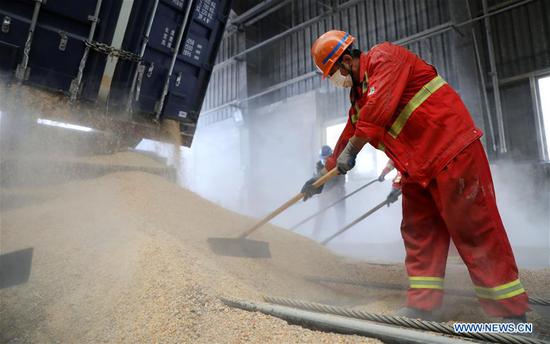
(400, 105)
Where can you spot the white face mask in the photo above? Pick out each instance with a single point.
(341, 81)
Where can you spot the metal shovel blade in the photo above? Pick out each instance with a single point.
(239, 247)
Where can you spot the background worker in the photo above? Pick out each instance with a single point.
(399, 104)
(335, 189)
(393, 196)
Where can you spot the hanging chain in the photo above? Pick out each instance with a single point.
(111, 51)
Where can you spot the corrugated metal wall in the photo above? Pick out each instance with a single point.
(224, 85)
(522, 38)
(521, 48)
(283, 67)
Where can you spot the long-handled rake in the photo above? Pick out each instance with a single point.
(332, 205)
(356, 221)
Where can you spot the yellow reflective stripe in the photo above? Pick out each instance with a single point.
(503, 296)
(425, 282)
(414, 103)
(381, 147)
(501, 287)
(492, 296)
(500, 292)
(514, 287)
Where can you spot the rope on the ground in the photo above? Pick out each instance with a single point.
(402, 321)
(346, 325)
(535, 300)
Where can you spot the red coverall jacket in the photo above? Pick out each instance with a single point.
(438, 130)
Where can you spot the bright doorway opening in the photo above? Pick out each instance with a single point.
(544, 96)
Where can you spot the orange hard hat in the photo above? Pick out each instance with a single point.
(328, 48)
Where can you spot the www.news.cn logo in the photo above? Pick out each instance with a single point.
(493, 328)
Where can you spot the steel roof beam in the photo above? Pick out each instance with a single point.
(254, 11)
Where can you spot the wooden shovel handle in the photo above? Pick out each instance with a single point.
(328, 176)
(321, 181)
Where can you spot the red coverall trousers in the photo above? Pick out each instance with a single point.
(459, 204)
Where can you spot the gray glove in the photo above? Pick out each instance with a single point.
(382, 177)
(393, 196)
(346, 159)
(309, 190)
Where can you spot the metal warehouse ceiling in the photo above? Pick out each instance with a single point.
(241, 6)
(248, 12)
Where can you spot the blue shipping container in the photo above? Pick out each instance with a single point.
(43, 42)
(167, 84)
